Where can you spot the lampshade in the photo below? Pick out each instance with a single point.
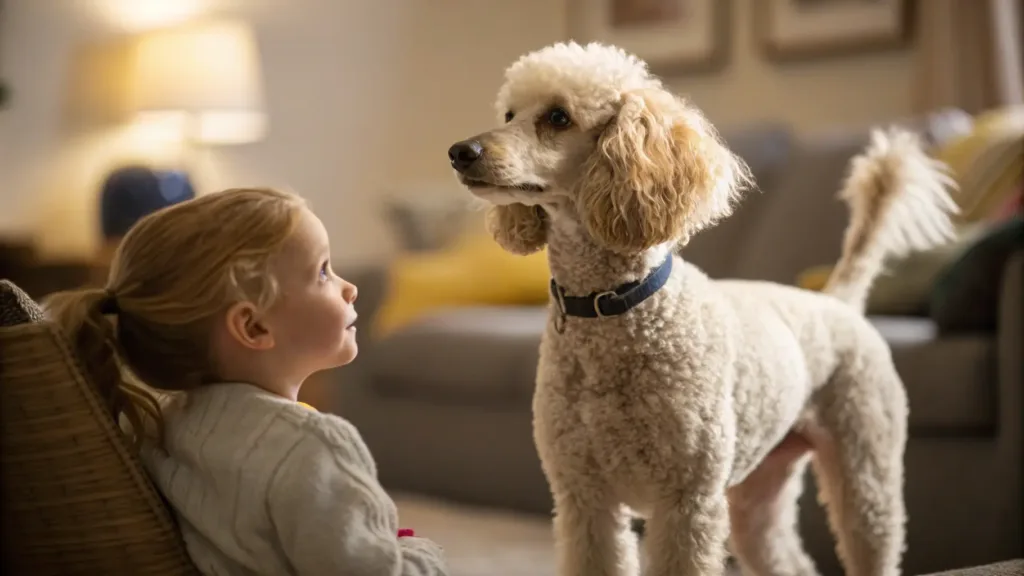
(207, 70)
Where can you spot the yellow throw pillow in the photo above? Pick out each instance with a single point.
(814, 278)
(474, 271)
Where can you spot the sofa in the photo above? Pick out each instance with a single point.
(444, 402)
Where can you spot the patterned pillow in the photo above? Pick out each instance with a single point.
(987, 163)
(16, 307)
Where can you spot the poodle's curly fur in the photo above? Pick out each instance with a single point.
(700, 408)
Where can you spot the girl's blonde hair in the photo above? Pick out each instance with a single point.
(174, 272)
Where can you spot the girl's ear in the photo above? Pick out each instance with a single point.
(518, 228)
(244, 325)
(659, 173)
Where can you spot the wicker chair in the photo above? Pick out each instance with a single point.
(75, 499)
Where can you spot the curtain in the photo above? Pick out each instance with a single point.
(968, 54)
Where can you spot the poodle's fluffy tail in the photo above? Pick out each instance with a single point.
(899, 200)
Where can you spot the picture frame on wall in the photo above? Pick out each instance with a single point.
(809, 29)
(672, 36)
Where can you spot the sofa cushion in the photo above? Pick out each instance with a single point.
(371, 281)
(488, 356)
(766, 150)
(950, 381)
(475, 355)
(801, 223)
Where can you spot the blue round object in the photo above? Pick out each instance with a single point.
(132, 192)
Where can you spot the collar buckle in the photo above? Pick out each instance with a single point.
(597, 302)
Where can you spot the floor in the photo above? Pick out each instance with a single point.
(481, 542)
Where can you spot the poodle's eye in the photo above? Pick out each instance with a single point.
(509, 116)
(559, 118)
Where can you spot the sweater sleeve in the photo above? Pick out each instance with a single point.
(332, 516)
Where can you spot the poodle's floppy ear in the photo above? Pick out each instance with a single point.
(659, 173)
(518, 228)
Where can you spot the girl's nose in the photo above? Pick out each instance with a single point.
(349, 292)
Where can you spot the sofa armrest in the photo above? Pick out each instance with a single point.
(1011, 351)
(1010, 394)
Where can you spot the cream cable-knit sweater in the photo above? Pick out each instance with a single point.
(262, 485)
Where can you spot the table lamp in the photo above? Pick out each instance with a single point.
(207, 73)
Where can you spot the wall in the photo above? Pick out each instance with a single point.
(363, 99)
(810, 96)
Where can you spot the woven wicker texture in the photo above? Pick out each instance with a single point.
(75, 500)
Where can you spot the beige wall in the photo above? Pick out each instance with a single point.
(363, 99)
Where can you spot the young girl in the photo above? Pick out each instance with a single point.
(230, 301)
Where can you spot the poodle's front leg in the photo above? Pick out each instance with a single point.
(593, 537)
(687, 533)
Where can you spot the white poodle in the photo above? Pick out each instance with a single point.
(693, 402)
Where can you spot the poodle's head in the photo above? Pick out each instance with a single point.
(588, 132)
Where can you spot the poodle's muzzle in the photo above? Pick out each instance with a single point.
(475, 170)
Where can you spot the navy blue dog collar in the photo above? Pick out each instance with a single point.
(613, 302)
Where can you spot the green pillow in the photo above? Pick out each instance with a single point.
(966, 295)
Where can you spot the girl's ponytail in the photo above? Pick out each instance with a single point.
(87, 318)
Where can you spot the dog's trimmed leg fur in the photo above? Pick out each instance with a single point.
(686, 534)
(867, 516)
(700, 403)
(593, 539)
(591, 529)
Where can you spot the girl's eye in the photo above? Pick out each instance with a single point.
(325, 271)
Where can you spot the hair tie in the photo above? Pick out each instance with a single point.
(108, 305)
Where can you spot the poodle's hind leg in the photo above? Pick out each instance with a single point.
(686, 534)
(859, 443)
(763, 514)
(594, 538)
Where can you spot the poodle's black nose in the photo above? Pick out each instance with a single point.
(463, 154)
